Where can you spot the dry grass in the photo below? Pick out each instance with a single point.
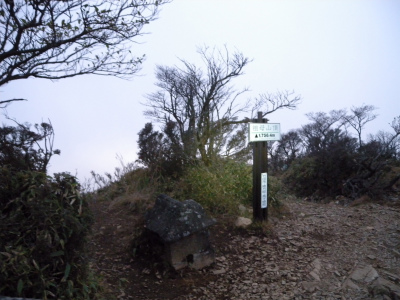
(361, 200)
(136, 202)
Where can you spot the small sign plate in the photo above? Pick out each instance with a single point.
(260, 132)
(264, 190)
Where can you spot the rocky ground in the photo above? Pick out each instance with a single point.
(315, 251)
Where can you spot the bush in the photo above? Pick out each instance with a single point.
(43, 225)
(274, 189)
(301, 177)
(162, 152)
(219, 188)
(323, 172)
(339, 173)
(24, 149)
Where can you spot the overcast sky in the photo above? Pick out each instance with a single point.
(335, 54)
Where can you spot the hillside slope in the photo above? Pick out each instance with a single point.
(318, 251)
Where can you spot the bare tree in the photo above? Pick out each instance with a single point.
(204, 103)
(390, 142)
(315, 134)
(61, 39)
(269, 103)
(374, 160)
(290, 146)
(360, 116)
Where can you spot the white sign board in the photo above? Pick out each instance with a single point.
(264, 190)
(260, 132)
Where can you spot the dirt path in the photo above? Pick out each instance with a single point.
(320, 251)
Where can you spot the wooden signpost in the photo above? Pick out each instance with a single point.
(260, 131)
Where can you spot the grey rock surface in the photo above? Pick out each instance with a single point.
(323, 253)
(173, 220)
(318, 251)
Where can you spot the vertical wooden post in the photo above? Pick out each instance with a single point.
(260, 165)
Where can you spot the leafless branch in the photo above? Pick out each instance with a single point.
(61, 39)
(5, 103)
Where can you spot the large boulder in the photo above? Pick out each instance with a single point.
(182, 227)
(173, 220)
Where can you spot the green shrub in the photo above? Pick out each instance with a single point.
(219, 188)
(43, 226)
(329, 161)
(301, 177)
(274, 189)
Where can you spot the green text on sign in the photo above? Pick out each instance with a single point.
(259, 132)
